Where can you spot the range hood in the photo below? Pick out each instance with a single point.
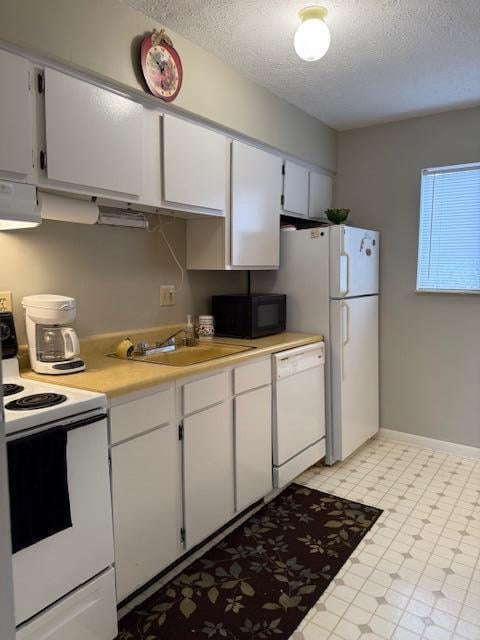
(18, 206)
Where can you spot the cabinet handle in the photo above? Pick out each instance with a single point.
(43, 160)
(40, 85)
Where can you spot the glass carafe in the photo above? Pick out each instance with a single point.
(56, 344)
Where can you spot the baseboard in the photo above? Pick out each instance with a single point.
(453, 448)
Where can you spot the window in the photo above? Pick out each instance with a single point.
(449, 238)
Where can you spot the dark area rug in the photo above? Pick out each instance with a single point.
(262, 579)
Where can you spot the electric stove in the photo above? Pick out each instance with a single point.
(29, 403)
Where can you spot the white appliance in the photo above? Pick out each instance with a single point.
(298, 411)
(330, 276)
(64, 584)
(53, 347)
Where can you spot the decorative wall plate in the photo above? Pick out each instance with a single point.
(161, 66)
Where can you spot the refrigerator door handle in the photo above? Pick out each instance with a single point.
(344, 273)
(345, 333)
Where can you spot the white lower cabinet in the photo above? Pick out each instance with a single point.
(253, 446)
(146, 493)
(208, 472)
(196, 477)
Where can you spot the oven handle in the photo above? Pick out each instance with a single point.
(60, 427)
(82, 423)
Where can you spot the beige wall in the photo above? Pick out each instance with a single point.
(430, 346)
(114, 273)
(101, 36)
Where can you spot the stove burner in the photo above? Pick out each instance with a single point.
(35, 401)
(11, 388)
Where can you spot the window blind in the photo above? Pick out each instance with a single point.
(449, 235)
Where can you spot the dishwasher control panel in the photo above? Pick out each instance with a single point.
(288, 363)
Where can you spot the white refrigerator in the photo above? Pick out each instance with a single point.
(330, 276)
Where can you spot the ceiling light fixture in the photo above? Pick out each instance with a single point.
(312, 37)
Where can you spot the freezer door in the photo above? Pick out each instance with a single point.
(353, 262)
(354, 344)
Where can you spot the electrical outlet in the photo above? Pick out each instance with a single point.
(6, 301)
(167, 295)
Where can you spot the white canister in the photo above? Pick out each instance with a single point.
(206, 326)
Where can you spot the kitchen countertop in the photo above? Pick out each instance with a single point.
(116, 377)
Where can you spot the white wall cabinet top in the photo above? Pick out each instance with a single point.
(256, 191)
(93, 136)
(320, 195)
(295, 189)
(194, 166)
(16, 115)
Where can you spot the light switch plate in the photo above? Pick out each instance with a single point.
(167, 295)
(6, 301)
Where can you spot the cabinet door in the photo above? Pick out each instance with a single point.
(93, 136)
(194, 165)
(253, 446)
(208, 472)
(295, 189)
(256, 194)
(146, 493)
(16, 115)
(320, 195)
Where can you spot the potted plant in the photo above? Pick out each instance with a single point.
(337, 216)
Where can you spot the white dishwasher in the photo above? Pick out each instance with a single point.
(298, 411)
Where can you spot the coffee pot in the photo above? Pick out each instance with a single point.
(53, 347)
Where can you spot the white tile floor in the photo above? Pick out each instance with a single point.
(417, 573)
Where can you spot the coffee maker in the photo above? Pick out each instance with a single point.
(53, 347)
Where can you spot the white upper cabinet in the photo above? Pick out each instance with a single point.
(295, 190)
(256, 182)
(16, 115)
(194, 166)
(93, 136)
(320, 198)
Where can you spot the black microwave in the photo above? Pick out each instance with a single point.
(249, 316)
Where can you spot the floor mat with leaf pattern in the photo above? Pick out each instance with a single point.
(262, 579)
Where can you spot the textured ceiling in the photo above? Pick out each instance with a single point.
(389, 59)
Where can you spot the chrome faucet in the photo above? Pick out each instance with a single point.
(168, 344)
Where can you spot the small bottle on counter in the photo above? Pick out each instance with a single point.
(190, 332)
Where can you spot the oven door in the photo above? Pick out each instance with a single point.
(50, 567)
(268, 315)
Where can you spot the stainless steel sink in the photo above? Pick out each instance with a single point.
(186, 356)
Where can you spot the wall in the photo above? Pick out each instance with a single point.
(430, 347)
(102, 36)
(114, 273)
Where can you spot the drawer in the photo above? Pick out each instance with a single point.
(136, 417)
(252, 375)
(89, 612)
(205, 392)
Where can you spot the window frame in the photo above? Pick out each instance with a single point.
(426, 171)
